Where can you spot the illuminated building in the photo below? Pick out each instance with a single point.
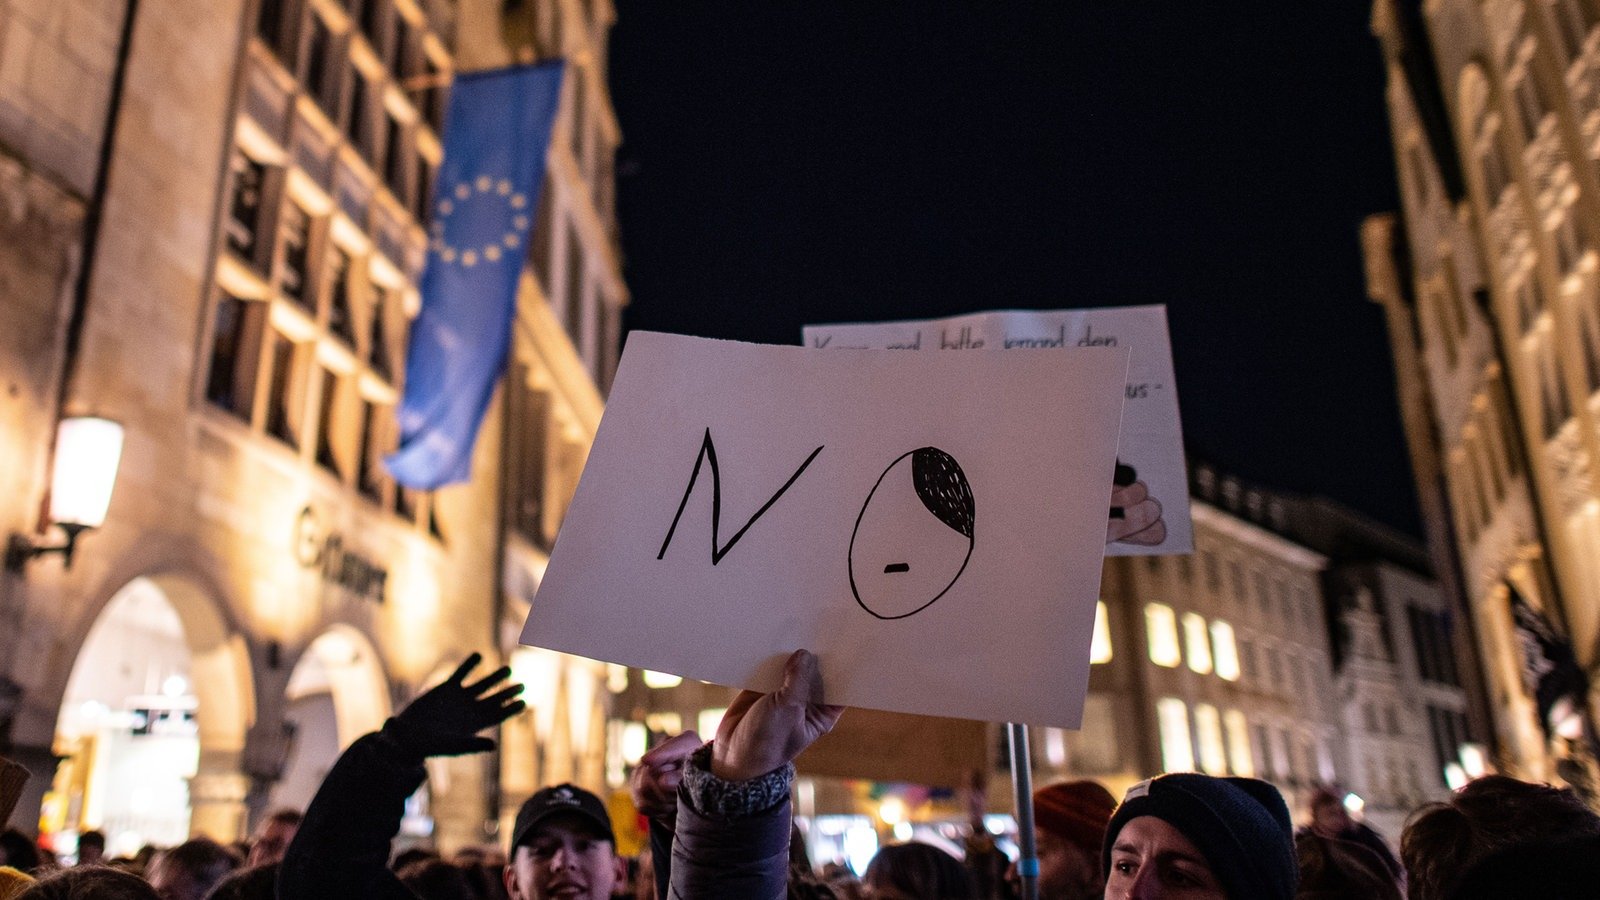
(1490, 286)
(261, 593)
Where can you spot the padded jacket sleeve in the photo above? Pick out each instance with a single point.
(731, 840)
(342, 848)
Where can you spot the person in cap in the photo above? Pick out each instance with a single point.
(1069, 826)
(342, 846)
(562, 846)
(1197, 837)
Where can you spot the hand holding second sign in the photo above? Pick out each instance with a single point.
(762, 732)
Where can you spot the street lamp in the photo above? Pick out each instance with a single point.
(88, 450)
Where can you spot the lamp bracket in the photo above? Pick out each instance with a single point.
(21, 548)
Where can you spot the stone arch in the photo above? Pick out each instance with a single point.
(337, 691)
(182, 630)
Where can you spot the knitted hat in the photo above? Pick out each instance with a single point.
(1240, 825)
(1075, 811)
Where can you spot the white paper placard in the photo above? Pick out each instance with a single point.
(1154, 505)
(930, 525)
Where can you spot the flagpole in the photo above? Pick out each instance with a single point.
(1022, 786)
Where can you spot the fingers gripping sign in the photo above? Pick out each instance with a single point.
(763, 732)
(654, 782)
(446, 719)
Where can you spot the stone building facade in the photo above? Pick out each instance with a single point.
(1490, 284)
(242, 188)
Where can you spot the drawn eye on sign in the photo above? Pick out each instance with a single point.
(914, 535)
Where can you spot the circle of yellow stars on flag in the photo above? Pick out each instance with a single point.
(480, 248)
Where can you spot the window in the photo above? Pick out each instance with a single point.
(358, 117)
(373, 16)
(1530, 301)
(529, 455)
(1239, 757)
(424, 189)
(1263, 594)
(1177, 747)
(328, 421)
(709, 719)
(1572, 20)
(320, 74)
(1208, 728)
(396, 173)
(1532, 106)
(272, 17)
(1274, 667)
(1263, 745)
(244, 207)
(1213, 573)
(1100, 646)
(283, 419)
(340, 323)
(235, 345)
(379, 356)
(295, 235)
(573, 292)
(1197, 643)
(1247, 655)
(1555, 406)
(369, 465)
(1162, 627)
(1224, 652)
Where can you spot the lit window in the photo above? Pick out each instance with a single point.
(709, 720)
(635, 741)
(1208, 727)
(1100, 647)
(661, 680)
(1162, 625)
(1224, 651)
(664, 722)
(1177, 749)
(1196, 643)
(1239, 743)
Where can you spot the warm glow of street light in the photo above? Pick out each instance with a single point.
(88, 451)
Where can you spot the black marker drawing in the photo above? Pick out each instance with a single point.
(708, 453)
(901, 559)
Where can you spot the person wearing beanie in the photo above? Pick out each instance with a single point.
(1199, 837)
(1069, 827)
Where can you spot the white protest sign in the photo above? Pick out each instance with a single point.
(932, 526)
(1149, 510)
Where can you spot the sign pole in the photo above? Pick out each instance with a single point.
(1022, 785)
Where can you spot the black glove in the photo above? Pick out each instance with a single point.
(445, 721)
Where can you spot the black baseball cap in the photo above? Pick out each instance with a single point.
(562, 799)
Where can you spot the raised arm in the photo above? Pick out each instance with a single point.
(731, 840)
(342, 848)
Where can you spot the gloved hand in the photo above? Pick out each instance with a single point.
(445, 720)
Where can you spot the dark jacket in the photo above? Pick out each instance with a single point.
(731, 839)
(342, 848)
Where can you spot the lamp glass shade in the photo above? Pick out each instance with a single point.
(88, 451)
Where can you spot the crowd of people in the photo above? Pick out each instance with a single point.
(721, 828)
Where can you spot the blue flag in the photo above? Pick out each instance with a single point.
(497, 131)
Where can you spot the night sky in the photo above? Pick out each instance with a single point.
(789, 163)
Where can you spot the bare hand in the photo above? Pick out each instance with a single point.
(762, 732)
(654, 782)
(1135, 516)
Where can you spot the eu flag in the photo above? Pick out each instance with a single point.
(497, 131)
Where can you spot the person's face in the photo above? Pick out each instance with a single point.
(1329, 818)
(564, 858)
(1066, 872)
(271, 844)
(1151, 859)
(903, 556)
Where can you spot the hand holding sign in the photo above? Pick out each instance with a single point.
(763, 732)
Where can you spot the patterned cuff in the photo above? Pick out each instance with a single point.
(711, 796)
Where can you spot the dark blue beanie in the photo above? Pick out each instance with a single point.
(1240, 825)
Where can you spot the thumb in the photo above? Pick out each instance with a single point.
(802, 681)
